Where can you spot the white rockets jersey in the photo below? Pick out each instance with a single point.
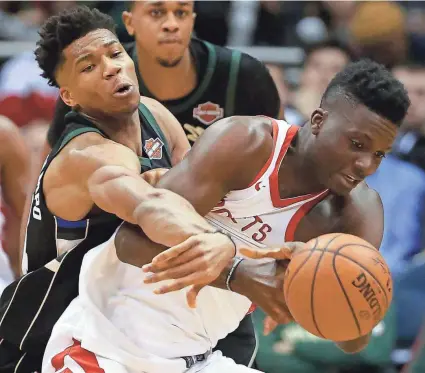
(257, 216)
(118, 316)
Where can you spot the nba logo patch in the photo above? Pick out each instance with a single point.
(153, 148)
(208, 113)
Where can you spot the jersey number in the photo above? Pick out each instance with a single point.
(85, 359)
(259, 236)
(36, 212)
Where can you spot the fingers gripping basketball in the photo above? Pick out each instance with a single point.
(339, 288)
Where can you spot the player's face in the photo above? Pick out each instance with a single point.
(349, 145)
(162, 29)
(98, 76)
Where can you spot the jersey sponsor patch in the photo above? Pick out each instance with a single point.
(153, 148)
(208, 112)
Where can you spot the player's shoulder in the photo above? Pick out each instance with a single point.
(365, 197)
(362, 204)
(249, 135)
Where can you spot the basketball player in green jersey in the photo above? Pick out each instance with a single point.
(199, 83)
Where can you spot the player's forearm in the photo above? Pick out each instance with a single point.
(354, 346)
(164, 217)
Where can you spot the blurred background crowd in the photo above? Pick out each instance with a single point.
(304, 44)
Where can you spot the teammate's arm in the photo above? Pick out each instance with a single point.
(98, 172)
(14, 162)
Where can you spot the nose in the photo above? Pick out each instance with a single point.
(170, 24)
(366, 164)
(111, 68)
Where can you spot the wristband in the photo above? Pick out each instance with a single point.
(236, 262)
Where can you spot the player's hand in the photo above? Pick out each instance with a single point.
(262, 282)
(267, 292)
(196, 262)
(284, 253)
(153, 176)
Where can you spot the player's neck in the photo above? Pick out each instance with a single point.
(124, 129)
(168, 83)
(297, 173)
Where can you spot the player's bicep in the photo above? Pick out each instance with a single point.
(77, 163)
(226, 157)
(203, 190)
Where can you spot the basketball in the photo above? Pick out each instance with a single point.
(339, 287)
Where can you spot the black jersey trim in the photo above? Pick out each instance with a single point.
(233, 80)
(76, 133)
(146, 113)
(194, 97)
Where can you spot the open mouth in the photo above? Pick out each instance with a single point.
(123, 89)
(352, 179)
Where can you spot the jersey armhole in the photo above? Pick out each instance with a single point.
(74, 133)
(146, 113)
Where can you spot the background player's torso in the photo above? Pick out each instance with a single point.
(216, 94)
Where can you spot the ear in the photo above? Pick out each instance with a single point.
(67, 97)
(127, 18)
(317, 119)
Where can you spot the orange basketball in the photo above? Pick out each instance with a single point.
(339, 287)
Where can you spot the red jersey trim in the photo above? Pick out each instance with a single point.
(302, 211)
(275, 127)
(274, 177)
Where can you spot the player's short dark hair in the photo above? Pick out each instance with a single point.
(372, 85)
(61, 30)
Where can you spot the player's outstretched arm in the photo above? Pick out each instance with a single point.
(98, 172)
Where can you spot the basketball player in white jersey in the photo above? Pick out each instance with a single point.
(266, 183)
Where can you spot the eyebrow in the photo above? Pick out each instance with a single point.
(87, 56)
(161, 3)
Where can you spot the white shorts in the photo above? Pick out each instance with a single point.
(75, 359)
(74, 347)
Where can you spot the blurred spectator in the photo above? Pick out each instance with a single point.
(410, 145)
(322, 63)
(380, 31)
(401, 183)
(401, 186)
(24, 95)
